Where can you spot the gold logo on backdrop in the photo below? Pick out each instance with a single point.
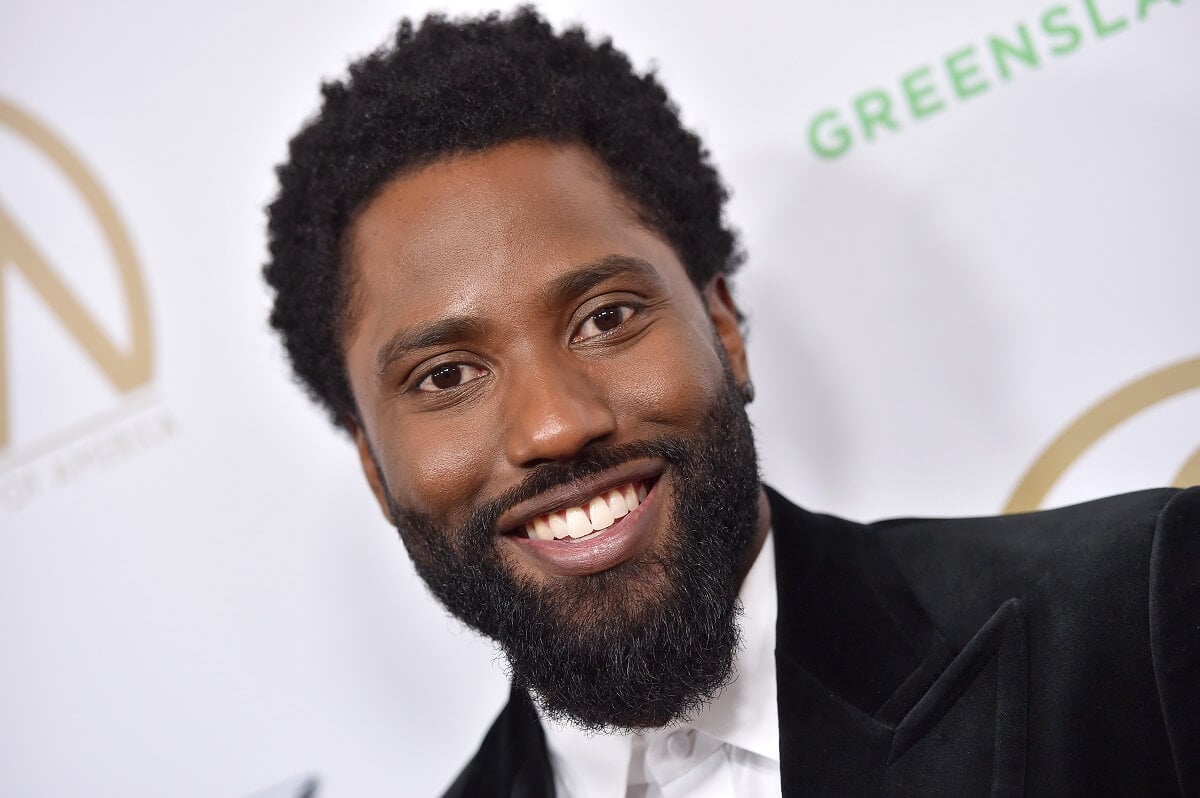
(125, 369)
(1097, 422)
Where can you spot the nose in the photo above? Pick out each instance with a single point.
(553, 415)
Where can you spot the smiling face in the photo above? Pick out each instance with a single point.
(548, 411)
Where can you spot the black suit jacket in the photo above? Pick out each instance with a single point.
(1047, 654)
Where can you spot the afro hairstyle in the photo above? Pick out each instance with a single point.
(449, 87)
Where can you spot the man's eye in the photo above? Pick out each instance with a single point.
(602, 321)
(449, 376)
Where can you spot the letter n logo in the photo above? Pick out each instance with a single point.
(125, 368)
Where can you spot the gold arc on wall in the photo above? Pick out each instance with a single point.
(1097, 422)
(1190, 473)
(125, 370)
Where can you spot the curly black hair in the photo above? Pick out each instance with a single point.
(455, 86)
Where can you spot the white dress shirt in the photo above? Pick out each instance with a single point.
(730, 750)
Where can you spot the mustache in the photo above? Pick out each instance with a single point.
(478, 529)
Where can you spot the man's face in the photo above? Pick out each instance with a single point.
(531, 362)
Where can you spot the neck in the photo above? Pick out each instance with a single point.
(760, 536)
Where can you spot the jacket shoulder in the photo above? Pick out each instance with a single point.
(1069, 562)
(1110, 590)
(1108, 598)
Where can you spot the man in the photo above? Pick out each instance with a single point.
(500, 264)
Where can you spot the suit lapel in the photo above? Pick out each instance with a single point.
(873, 700)
(512, 761)
(966, 733)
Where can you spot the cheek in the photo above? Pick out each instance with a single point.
(435, 465)
(673, 382)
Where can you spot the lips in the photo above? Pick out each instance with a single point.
(591, 525)
(595, 515)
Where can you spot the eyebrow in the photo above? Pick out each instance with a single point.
(588, 276)
(423, 336)
(561, 289)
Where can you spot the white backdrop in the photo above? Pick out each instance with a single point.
(197, 594)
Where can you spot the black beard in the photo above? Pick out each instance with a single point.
(641, 644)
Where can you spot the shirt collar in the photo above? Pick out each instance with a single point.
(744, 714)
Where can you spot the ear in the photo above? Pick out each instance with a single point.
(370, 465)
(724, 315)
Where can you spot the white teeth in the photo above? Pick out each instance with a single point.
(616, 504)
(600, 514)
(578, 523)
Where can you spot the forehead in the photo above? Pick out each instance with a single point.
(459, 232)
